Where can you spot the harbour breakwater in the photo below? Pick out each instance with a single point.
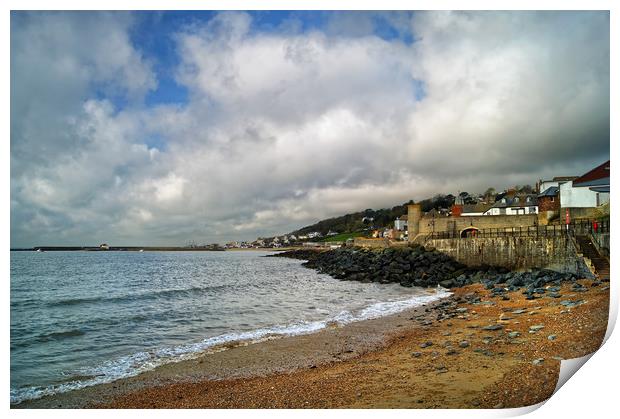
(425, 267)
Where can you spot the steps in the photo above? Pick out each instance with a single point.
(601, 265)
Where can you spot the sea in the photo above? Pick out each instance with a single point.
(83, 318)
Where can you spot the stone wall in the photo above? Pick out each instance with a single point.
(377, 243)
(457, 224)
(544, 217)
(581, 213)
(601, 242)
(556, 253)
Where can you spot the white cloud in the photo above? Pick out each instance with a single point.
(285, 128)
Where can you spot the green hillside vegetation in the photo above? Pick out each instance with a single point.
(352, 223)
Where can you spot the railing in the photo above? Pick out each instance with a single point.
(584, 227)
(578, 227)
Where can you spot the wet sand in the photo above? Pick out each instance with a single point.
(436, 356)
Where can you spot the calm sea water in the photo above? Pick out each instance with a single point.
(83, 318)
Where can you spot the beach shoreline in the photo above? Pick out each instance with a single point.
(435, 356)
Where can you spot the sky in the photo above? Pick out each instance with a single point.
(165, 128)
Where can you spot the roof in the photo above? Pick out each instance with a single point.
(403, 217)
(564, 178)
(595, 177)
(469, 208)
(550, 191)
(517, 201)
(603, 189)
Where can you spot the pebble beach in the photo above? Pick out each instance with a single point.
(470, 350)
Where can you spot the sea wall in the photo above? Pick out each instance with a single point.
(601, 242)
(555, 253)
(583, 213)
(457, 224)
(422, 266)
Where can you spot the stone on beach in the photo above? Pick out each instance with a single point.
(493, 327)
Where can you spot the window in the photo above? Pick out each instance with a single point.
(517, 199)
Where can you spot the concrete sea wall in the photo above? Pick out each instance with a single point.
(556, 253)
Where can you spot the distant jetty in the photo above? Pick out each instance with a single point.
(119, 249)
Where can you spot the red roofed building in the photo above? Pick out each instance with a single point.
(595, 177)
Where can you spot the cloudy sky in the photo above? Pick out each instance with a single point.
(165, 128)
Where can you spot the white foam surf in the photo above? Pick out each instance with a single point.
(134, 364)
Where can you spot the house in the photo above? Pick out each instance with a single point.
(543, 185)
(465, 210)
(314, 235)
(104, 246)
(549, 199)
(393, 234)
(514, 205)
(400, 223)
(548, 205)
(475, 209)
(587, 191)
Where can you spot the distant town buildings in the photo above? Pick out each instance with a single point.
(542, 205)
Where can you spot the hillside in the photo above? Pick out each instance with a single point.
(381, 218)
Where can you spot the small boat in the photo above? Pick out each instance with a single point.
(141, 250)
(39, 250)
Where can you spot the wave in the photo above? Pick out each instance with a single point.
(134, 364)
(165, 293)
(44, 337)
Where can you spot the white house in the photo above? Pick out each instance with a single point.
(515, 205)
(587, 191)
(543, 185)
(400, 223)
(471, 210)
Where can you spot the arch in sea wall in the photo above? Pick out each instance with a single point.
(469, 231)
